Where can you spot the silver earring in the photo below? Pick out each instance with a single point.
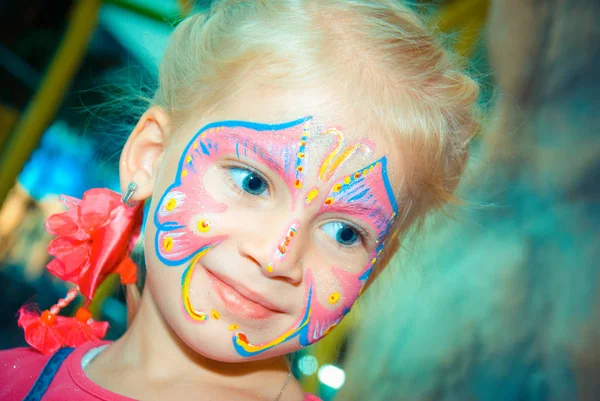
(131, 188)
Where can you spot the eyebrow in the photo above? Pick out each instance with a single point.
(361, 209)
(263, 154)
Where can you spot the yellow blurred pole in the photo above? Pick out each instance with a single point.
(8, 119)
(48, 98)
(467, 19)
(185, 7)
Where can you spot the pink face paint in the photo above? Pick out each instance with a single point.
(183, 214)
(282, 151)
(366, 195)
(324, 318)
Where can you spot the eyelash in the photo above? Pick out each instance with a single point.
(249, 169)
(363, 235)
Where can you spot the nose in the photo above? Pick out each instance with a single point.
(278, 255)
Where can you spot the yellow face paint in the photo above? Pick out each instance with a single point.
(168, 244)
(312, 195)
(185, 288)
(171, 205)
(333, 160)
(203, 225)
(334, 298)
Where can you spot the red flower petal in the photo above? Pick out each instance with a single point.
(110, 246)
(58, 268)
(99, 328)
(67, 223)
(94, 238)
(95, 208)
(62, 224)
(40, 335)
(71, 258)
(76, 333)
(138, 219)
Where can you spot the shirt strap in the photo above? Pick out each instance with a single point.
(45, 377)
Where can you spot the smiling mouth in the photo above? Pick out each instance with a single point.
(241, 301)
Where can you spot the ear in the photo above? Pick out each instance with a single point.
(143, 152)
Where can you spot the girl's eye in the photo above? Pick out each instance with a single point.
(341, 232)
(249, 181)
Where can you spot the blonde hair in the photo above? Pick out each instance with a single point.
(396, 74)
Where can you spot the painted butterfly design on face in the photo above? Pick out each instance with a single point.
(184, 226)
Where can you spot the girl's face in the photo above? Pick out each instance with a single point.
(265, 225)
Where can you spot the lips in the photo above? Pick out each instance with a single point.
(241, 301)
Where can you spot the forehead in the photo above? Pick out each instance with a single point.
(269, 105)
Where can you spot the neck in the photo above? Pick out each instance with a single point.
(150, 344)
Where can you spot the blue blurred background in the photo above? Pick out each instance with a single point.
(499, 302)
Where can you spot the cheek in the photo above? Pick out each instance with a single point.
(335, 291)
(162, 282)
(331, 292)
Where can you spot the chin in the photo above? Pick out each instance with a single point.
(214, 345)
(212, 339)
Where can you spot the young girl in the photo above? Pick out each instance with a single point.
(287, 146)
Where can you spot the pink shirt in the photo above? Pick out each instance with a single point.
(20, 368)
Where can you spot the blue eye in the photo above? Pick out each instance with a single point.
(341, 232)
(249, 181)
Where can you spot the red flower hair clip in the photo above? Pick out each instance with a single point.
(94, 239)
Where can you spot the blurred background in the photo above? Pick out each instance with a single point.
(498, 302)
